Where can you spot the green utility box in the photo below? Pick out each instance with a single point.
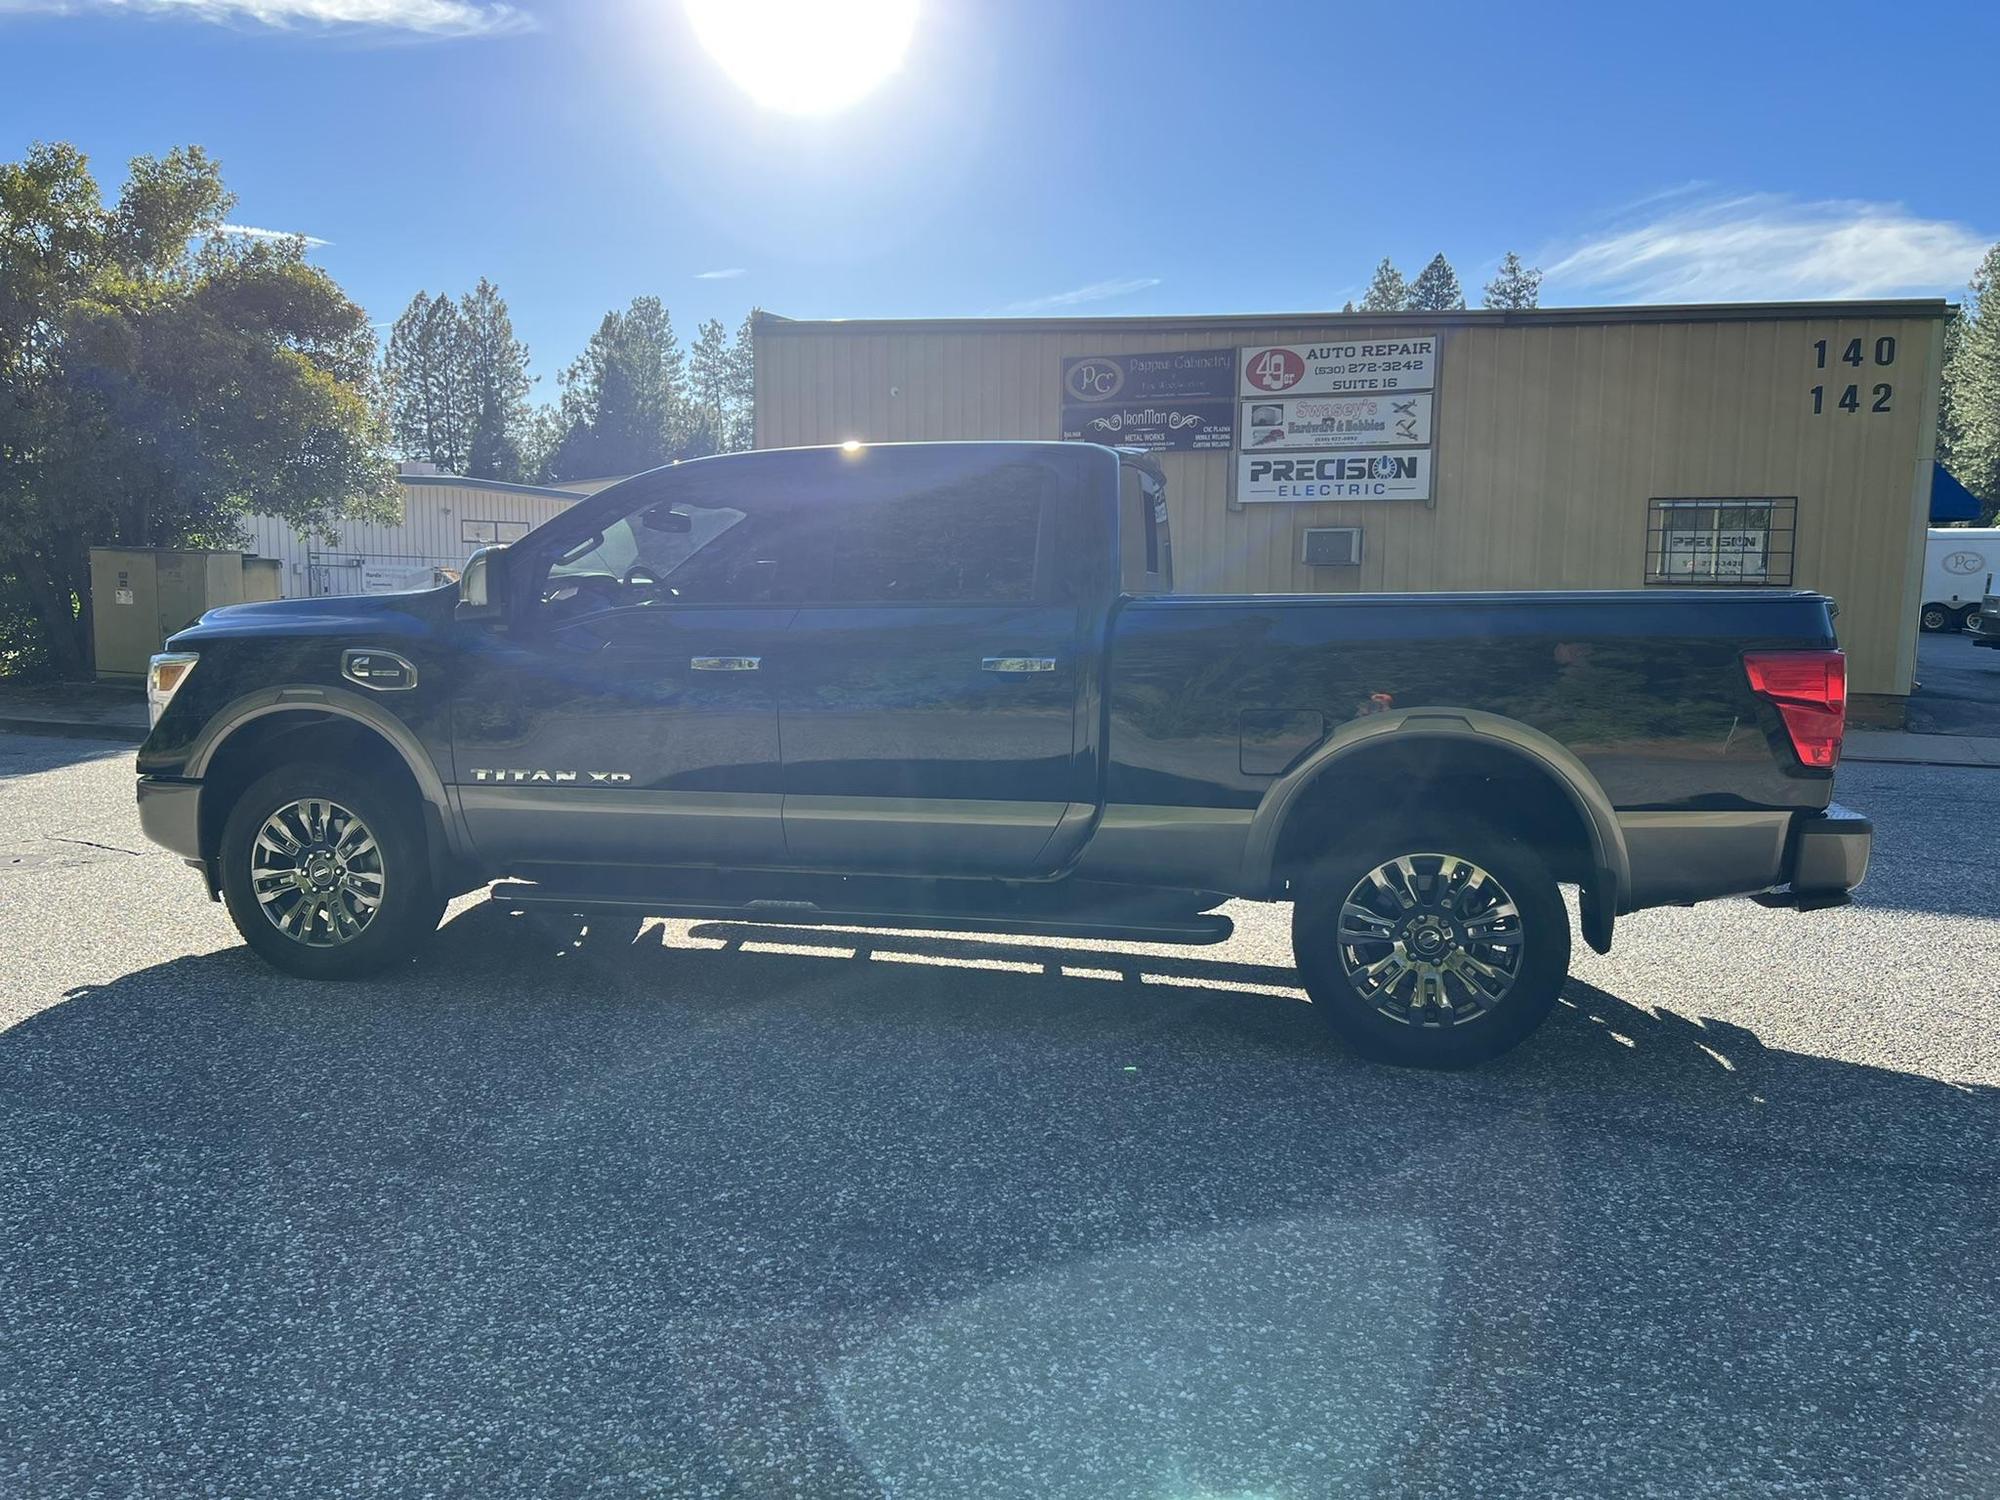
(141, 595)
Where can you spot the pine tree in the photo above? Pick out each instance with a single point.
(498, 374)
(433, 406)
(740, 429)
(623, 401)
(1350, 306)
(708, 381)
(1514, 285)
(1388, 292)
(1969, 419)
(1436, 288)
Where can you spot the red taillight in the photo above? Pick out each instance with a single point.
(1810, 691)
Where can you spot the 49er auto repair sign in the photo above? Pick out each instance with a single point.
(1341, 368)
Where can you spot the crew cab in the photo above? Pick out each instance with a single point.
(950, 684)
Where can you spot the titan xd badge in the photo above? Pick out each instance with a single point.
(578, 776)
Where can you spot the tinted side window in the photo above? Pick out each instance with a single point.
(967, 537)
(669, 552)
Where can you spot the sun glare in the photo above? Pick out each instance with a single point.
(805, 57)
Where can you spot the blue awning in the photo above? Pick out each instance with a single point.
(1950, 500)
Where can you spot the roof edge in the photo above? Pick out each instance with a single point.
(1690, 312)
(508, 486)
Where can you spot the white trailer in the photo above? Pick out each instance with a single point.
(1959, 565)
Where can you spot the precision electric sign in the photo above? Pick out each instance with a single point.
(1335, 476)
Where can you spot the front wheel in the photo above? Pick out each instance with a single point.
(1934, 617)
(1434, 947)
(326, 873)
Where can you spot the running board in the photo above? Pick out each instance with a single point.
(1202, 928)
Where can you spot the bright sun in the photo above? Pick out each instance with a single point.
(805, 57)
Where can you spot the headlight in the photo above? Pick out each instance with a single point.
(164, 674)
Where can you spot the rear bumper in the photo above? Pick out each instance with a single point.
(170, 815)
(1678, 858)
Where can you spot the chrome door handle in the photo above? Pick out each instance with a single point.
(1017, 664)
(724, 663)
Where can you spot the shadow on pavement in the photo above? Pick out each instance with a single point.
(560, 1209)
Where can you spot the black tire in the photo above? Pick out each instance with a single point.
(1933, 617)
(1465, 1023)
(1963, 618)
(408, 907)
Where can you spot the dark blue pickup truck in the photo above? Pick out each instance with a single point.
(949, 685)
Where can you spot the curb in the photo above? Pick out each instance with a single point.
(123, 734)
(1916, 760)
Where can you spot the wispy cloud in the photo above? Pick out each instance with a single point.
(250, 233)
(429, 18)
(728, 273)
(1764, 245)
(1097, 291)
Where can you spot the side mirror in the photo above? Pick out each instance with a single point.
(666, 518)
(482, 587)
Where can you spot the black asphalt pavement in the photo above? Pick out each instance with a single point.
(1958, 686)
(712, 1210)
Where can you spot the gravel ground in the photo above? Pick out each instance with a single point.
(715, 1210)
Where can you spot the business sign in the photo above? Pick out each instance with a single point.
(1379, 474)
(1715, 554)
(396, 578)
(1189, 426)
(1346, 367)
(1181, 400)
(1391, 420)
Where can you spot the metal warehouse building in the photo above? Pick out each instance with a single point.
(1784, 444)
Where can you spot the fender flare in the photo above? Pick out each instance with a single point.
(341, 704)
(1608, 892)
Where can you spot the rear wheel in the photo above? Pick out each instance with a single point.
(1934, 617)
(326, 873)
(1433, 947)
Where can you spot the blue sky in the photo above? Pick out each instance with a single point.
(1038, 156)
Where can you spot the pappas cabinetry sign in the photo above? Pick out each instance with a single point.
(1174, 401)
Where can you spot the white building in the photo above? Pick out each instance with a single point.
(446, 517)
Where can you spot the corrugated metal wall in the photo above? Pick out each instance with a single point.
(1552, 435)
(431, 531)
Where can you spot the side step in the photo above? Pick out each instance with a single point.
(1108, 925)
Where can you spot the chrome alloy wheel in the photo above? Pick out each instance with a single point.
(317, 874)
(1430, 940)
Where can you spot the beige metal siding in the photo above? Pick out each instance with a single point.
(1552, 434)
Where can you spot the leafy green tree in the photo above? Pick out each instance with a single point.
(1514, 286)
(1969, 411)
(1388, 292)
(498, 376)
(159, 379)
(1436, 288)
